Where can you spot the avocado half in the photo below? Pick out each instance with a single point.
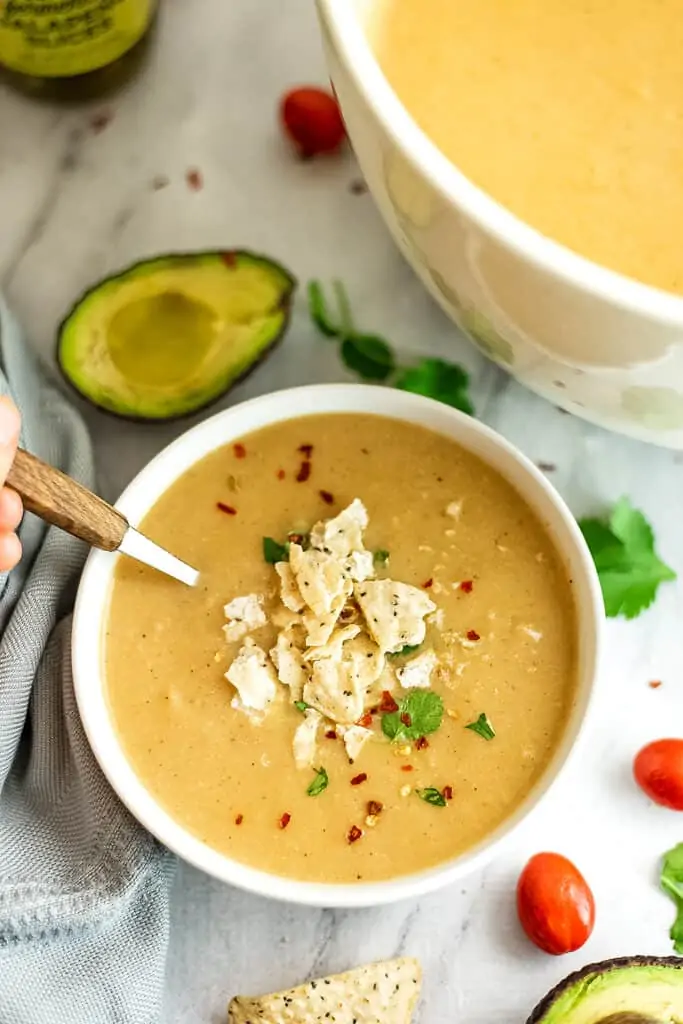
(627, 990)
(171, 334)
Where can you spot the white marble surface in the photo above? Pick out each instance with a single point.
(75, 204)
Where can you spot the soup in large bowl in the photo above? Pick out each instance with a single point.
(528, 160)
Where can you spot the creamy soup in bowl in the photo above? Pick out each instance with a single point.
(386, 662)
(526, 160)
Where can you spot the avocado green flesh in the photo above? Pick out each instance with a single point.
(170, 335)
(639, 990)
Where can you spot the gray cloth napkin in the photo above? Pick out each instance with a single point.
(84, 891)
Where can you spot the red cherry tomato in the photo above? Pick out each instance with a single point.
(658, 770)
(555, 904)
(312, 120)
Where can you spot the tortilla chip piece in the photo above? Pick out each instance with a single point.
(381, 993)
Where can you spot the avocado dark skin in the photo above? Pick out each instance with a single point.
(74, 366)
(605, 967)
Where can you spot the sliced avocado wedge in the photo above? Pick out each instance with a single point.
(171, 334)
(628, 990)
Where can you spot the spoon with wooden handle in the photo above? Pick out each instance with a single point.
(62, 502)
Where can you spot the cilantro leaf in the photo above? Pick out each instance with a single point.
(431, 795)
(419, 713)
(435, 378)
(482, 727)
(380, 557)
(404, 652)
(318, 311)
(319, 784)
(302, 706)
(274, 552)
(629, 569)
(671, 881)
(368, 355)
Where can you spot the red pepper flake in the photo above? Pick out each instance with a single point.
(473, 635)
(655, 684)
(406, 767)
(406, 719)
(354, 834)
(357, 779)
(375, 807)
(466, 586)
(330, 734)
(281, 474)
(285, 820)
(228, 509)
(100, 120)
(194, 179)
(230, 259)
(387, 703)
(427, 583)
(295, 538)
(327, 497)
(239, 819)
(304, 472)
(239, 450)
(447, 792)
(365, 720)
(422, 743)
(306, 450)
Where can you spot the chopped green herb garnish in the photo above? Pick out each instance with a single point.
(482, 727)
(368, 355)
(419, 713)
(319, 784)
(317, 307)
(380, 557)
(623, 549)
(431, 795)
(404, 652)
(302, 706)
(274, 552)
(671, 881)
(434, 378)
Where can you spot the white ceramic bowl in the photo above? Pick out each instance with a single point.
(598, 344)
(93, 596)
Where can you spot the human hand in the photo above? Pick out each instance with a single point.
(11, 509)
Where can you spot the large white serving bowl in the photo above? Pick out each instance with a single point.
(594, 342)
(93, 601)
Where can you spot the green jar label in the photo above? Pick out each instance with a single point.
(60, 38)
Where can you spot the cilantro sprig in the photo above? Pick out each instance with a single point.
(671, 881)
(302, 706)
(319, 784)
(629, 569)
(380, 557)
(373, 358)
(483, 727)
(419, 713)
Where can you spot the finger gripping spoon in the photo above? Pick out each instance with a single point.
(59, 500)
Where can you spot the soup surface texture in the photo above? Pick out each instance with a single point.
(570, 114)
(487, 608)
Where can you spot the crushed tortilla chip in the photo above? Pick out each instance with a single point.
(380, 993)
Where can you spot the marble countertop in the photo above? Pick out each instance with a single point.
(78, 199)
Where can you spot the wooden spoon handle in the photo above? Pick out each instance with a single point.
(61, 501)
